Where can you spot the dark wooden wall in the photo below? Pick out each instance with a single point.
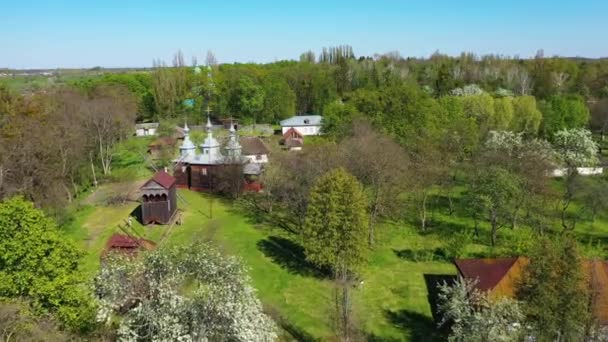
(159, 211)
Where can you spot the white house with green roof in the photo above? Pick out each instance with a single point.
(304, 124)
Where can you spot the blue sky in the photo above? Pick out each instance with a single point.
(128, 33)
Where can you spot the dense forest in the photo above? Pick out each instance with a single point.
(407, 142)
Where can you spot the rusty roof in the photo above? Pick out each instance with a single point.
(163, 179)
(597, 273)
(500, 277)
(488, 272)
(127, 244)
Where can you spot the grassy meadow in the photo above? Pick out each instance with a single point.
(391, 300)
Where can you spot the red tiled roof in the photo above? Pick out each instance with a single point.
(488, 272)
(127, 244)
(122, 241)
(292, 133)
(163, 179)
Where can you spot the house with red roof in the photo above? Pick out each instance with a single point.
(500, 277)
(292, 139)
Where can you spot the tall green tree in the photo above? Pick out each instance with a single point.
(279, 100)
(555, 291)
(564, 112)
(495, 190)
(526, 116)
(503, 113)
(335, 231)
(250, 98)
(39, 264)
(480, 107)
(335, 235)
(338, 117)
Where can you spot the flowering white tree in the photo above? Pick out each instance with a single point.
(514, 145)
(474, 317)
(576, 147)
(504, 141)
(502, 92)
(189, 293)
(467, 90)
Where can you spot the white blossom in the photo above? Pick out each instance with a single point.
(181, 294)
(576, 147)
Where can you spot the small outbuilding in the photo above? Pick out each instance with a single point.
(127, 245)
(146, 129)
(229, 122)
(254, 149)
(158, 199)
(501, 277)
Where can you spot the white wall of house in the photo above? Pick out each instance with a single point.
(304, 130)
(583, 171)
(143, 132)
(257, 158)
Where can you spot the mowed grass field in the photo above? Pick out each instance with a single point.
(391, 300)
(391, 303)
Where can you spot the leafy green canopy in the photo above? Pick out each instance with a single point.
(564, 112)
(37, 263)
(555, 291)
(335, 231)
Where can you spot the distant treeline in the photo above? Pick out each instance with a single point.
(273, 91)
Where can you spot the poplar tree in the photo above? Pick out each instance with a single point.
(335, 230)
(335, 236)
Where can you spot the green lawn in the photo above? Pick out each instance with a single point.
(391, 304)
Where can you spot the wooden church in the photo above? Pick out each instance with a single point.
(199, 171)
(158, 199)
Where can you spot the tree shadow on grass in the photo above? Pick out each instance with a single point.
(433, 281)
(290, 256)
(296, 333)
(137, 214)
(419, 326)
(249, 208)
(422, 255)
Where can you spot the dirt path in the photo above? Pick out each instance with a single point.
(106, 191)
